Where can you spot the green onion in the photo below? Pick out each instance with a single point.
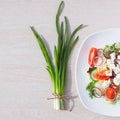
(57, 69)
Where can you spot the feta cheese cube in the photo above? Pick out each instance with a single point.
(112, 55)
(118, 66)
(118, 76)
(111, 66)
(108, 73)
(99, 84)
(118, 57)
(116, 81)
(118, 62)
(116, 70)
(106, 83)
(109, 62)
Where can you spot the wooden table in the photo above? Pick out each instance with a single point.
(24, 82)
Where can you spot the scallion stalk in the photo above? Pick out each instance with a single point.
(57, 69)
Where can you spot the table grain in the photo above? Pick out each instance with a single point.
(24, 82)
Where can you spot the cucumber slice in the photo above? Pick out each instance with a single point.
(92, 74)
(106, 52)
(117, 45)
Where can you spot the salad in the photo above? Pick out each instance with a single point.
(104, 72)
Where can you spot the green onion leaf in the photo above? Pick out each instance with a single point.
(62, 50)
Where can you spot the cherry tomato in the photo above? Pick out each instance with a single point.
(101, 75)
(110, 93)
(92, 55)
(115, 87)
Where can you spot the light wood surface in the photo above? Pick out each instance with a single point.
(24, 83)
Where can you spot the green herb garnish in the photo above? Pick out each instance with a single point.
(89, 88)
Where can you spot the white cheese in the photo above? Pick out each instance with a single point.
(108, 73)
(98, 84)
(112, 55)
(118, 66)
(118, 76)
(109, 62)
(116, 81)
(118, 57)
(111, 66)
(106, 83)
(118, 62)
(116, 69)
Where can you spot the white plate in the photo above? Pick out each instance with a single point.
(99, 39)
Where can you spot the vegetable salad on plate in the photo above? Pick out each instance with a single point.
(104, 72)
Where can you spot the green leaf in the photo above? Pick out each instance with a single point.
(62, 51)
(46, 55)
(89, 88)
(74, 32)
(57, 17)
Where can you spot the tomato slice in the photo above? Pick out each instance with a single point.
(92, 55)
(115, 87)
(101, 75)
(110, 93)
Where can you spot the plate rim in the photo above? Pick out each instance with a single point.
(94, 33)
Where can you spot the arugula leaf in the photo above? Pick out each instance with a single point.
(89, 88)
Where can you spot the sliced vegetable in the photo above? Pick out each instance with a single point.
(110, 93)
(99, 84)
(113, 75)
(92, 74)
(92, 55)
(97, 92)
(112, 48)
(98, 75)
(116, 61)
(117, 45)
(115, 87)
(107, 52)
(98, 60)
(116, 48)
(109, 49)
(101, 75)
(100, 52)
